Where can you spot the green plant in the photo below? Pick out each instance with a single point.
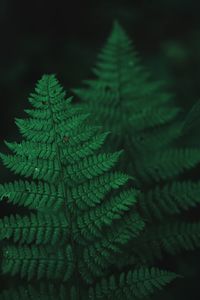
(79, 216)
(147, 123)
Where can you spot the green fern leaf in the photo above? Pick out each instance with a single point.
(170, 163)
(76, 205)
(91, 192)
(42, 291)
(40, 196)
(90, 223)
(131, 100)
(171, 238)
(38, 262)
(139, 283)
(73, 154)
(145, 121)
(40, 229)
(172, 198)
(92, 166)
(98, 256)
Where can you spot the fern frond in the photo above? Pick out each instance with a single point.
(40, 229)
(90, 193)
(36, 168)
(73, 154)
(191, 119)
(32, 150)
(82, 136)
(98, 257)
(171, 238)
(80, 206)
(144, 120)
(43, 291)
(40, 196)
(170, 199)
(151, 117)
(170, 163)
(155, 140)
(38, 262)
(90, 223)
(134, 284)
(123, 96)
(180, 236)
(92, 166)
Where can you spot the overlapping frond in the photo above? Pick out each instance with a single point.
(145, 121)
(123, 96)
(41, 291)
(169, 163)
(172, 198)
(171, 238)
(102, 253)
(29, 292)
(81, 215)
(132, 285)
(90, 193)
(38, 262)
(36, 228)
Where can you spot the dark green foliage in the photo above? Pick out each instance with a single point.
(52, 228)
(36, 261)
(34, 195)
(43, 292)
(171, 198)
(131, 285)
(146, 122)
(171, 238)
(192, 118)
(141, 116)
(79, 216)
(125, 99)
(137, 284)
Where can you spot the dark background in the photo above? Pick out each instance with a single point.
(64, 37)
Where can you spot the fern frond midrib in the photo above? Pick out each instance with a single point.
(69, 217)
